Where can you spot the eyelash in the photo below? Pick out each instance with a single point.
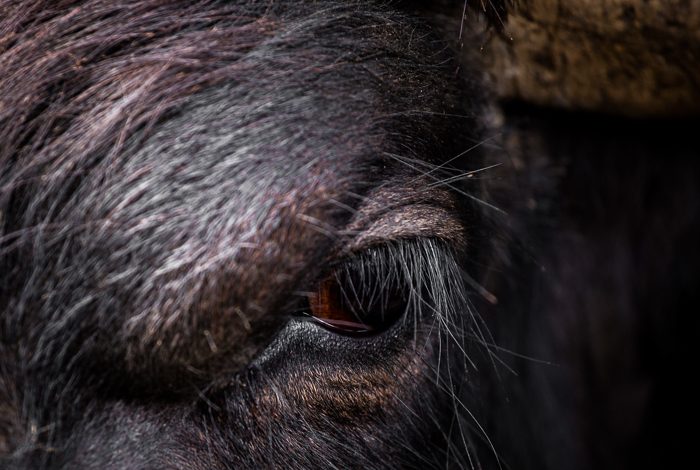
(372, 291)
(345, 304)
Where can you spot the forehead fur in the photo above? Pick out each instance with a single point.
(183, 166)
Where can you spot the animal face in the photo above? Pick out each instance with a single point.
(230, 237)
(275, 234)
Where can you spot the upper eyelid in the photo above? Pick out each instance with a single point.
(417, 221)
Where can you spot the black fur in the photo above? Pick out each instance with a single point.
(172, 174)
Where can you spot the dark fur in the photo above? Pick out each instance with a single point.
(175, 176)
(172, 175)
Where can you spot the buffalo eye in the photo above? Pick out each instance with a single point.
(358, 299)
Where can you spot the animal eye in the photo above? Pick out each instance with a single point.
(356, 301)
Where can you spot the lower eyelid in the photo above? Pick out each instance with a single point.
(345, 326)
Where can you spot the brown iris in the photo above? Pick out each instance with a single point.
(343, 304)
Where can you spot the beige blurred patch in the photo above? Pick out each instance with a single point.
(632, 57)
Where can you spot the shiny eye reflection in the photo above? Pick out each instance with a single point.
(355, 303)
